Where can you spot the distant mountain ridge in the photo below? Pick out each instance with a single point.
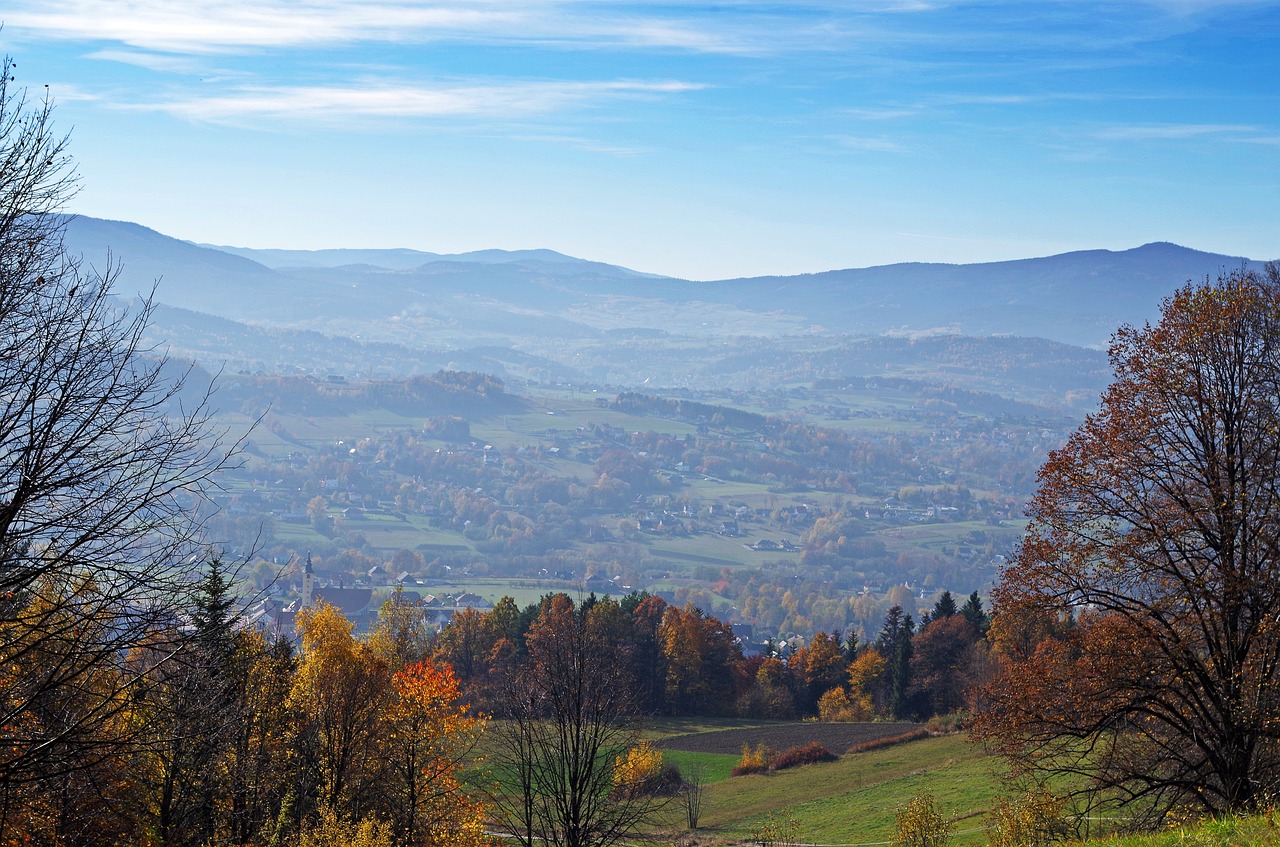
(402, 259)
(559, 317)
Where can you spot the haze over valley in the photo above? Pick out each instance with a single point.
(521, 421)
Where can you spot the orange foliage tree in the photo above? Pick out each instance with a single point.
(1137, 631)
(429, 734)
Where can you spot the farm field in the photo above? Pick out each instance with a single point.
(782, 735)
(848, 802)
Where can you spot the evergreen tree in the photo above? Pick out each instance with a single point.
(944, 608)
(894, 644)
(975, 614)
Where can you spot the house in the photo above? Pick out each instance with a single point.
(471, 601)
(599, 583)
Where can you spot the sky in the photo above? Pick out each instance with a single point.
(704, 140)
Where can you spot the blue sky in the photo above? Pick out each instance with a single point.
(696, 139)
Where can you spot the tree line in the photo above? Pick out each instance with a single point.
(682, 661)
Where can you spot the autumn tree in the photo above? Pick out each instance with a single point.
(401, 637)
(822, 667)
(569, 718)
(865, 684)
(104, 459)
(940, 664)
(645, 660)
(1138, 628)
(256, 776)
(703, 662)
(772, 692)
(427, 737)
(340, 692)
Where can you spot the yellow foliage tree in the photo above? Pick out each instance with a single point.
(332, 830)
(341, 688)
(865, 675)
(637, 769)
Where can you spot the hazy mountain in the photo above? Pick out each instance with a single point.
(1078, 297)
(539, 315)
(499, 297)
(182, 273)
(402, 259)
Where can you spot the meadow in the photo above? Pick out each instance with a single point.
(851, 801)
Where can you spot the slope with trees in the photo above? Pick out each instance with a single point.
(1137, 631)
(104, 470)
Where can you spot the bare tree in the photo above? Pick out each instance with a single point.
(104, 462)
(694, 792)
(569, 723)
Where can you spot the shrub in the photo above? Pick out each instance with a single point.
(641, 772)
(753, 761)
(806, 754)
(330, 830)
(777, 831)
(888, 741)
(946, 724)
(837, 705)
(1033, 819)
(921, 824)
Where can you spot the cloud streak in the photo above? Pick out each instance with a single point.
(224, 26)
(1171, 132)
(197, 27)
(382, 100)
(210, 26)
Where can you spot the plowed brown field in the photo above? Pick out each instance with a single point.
(836, 737)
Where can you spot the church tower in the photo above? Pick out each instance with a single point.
(308, 585)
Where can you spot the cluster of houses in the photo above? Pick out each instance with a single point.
(276, 619)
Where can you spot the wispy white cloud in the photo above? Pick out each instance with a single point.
(747, 27)
(1151, 132)
(381, 100)
(202, 26)
(867, 143)
(144, 59)
(213, 26)
(70, 92)
(887, 113)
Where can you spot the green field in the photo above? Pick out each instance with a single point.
(853, 800)
(525, 592)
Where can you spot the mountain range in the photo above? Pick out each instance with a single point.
(543, 315)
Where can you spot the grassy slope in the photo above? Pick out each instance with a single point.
(851, 801)
(1257, 831)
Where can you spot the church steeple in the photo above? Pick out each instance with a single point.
(308, 584)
